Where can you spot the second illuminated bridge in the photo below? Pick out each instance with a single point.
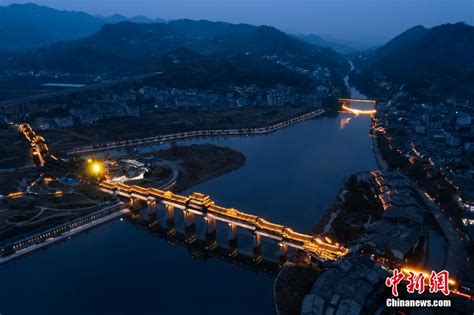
(346, 106)
(199, 204)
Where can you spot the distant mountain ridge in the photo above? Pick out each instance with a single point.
(117, 18)
(321, 42)
(434, 62)
(444, 50)
(402, 41)
(128, 44)
(26, 26)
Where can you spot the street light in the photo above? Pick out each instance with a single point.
(96, 168)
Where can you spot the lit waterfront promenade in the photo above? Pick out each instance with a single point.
(40, 240)
(197, 133)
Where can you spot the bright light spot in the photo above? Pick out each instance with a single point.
(96, 168)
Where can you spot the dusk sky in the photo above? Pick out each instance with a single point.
(371, 21)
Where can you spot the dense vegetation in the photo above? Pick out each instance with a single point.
(359, 206)
(437, 61)
(189, 53)
(130, 45)
(240, 69)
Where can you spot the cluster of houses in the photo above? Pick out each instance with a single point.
(353, 285)
(442, 137)
(400, 229)
(233, 97)
(88, 114)
(111, 104)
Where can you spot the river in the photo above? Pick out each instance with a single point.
(290, 177)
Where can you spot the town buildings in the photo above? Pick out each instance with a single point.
(437, 140)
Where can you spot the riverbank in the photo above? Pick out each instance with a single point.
(355, 207)
(200, 162)
(34, 242)
(291, 285)
(239, 129)
(154, 125)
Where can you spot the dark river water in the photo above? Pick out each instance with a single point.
(290, 177)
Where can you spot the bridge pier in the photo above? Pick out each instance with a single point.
(211, 234)
(134, 203)
(233, 251)
(257, 248)
(152, 207)
(188, 219)
(210, 225)
(232, 232)
(257, 240)
(169, 212)
(283, 251)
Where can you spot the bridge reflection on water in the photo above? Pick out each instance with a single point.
(207, 247)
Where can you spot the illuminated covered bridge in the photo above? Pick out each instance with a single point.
(199, 204)
(346, 106)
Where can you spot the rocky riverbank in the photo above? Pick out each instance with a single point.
(291, 285)
(355, 206)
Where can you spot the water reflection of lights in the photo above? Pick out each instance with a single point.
(468, 221)
(344, 122)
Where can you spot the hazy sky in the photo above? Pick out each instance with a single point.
(358, 20)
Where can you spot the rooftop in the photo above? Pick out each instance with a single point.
(350, 286)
